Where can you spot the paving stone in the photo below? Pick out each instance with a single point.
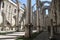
(42, 36)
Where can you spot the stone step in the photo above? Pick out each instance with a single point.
(12, 36)
(34, 31)
(7, 37)
(17, 34)
(7, 31)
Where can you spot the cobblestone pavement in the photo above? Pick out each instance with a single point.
(42, 36)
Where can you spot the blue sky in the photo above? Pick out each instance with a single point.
(25, 1)
(33, 2)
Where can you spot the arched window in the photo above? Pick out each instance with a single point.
(46, 11)
(14, 10)
(0, 5)
(10, 6)
(46, 4)
(3, 5)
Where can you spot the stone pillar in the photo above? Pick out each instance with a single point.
(17, 16)
(37, 12)
(51, 31)
(58, 16)
(32, 16)
(3, 14)
(55, 15)
(24, 15)
(28, 20)
(0, 5)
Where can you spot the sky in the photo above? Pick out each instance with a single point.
(33, 2)
(25, 1)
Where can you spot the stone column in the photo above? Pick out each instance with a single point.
(57, 16)
(23, 15)
(17, 16)
(51, 31)
(37, 12)
(32, 16)
(0, 5)
(3, 14)
(28, 20)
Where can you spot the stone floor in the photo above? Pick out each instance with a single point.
(57, 37)
(42, 36)
(7, 39)
(45, 36)
(12, 36)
